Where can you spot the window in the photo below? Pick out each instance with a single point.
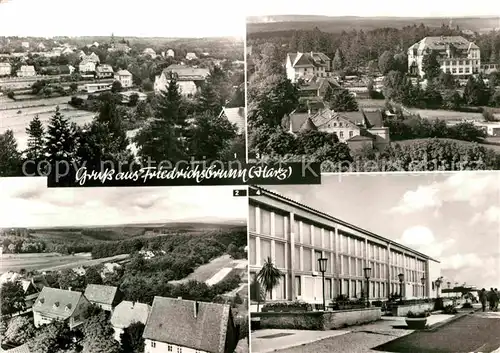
(306, 233)
(296, 261)
(467, 70)
(454, 70)
(253, 252)
(153, 344)
(169, 348)
(345, 265)
(307, 259)
(328, 288)
(279, 252)
(265, 250)
(179, 349)
(351, 133)
(281, 289)
(279, 225)
(265, 222)
(340, 124)
(298, 287)
(317, 236)
(317, 256)
(341, 134)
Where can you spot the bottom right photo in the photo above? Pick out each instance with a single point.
(392, 262)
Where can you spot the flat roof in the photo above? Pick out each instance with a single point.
(282, 198)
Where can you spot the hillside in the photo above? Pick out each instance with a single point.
(339, 24)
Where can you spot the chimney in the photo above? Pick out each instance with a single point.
(196, 309)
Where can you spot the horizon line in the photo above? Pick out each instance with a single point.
(444, 16)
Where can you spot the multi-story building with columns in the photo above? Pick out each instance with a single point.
(295, 236)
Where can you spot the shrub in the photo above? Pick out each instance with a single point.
(467, 306)
(449, 309)
(287, 306)
(414, 315)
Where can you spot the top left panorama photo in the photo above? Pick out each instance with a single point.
(138, 88)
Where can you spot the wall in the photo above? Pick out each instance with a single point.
(402, 310)
(161, 347)
(434, 271)
(318, 320)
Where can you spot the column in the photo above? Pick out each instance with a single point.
(290, 232)
(388, 271)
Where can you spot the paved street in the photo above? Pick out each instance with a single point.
(471, 333)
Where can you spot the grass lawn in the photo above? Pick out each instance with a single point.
(494, 147)
(446, 114)
(207, 271)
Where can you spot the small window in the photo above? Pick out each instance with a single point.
(179, 349)
(169, 348)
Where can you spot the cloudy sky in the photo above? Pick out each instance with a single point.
(26, 202)
(454, 218)
(147, 18)
(368, 8)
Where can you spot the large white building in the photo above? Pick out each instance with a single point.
(456, 54)
(189, 79)
(306, 65)
(295, 236)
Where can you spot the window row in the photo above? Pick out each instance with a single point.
(460, 62)
(357, 288)
(355, 267)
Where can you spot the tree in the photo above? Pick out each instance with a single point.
(116, 87)
(92, 276)
(211, 136)
(134, 98)
(386, 62)
(272, 141)
(73, 87)
(52, 338)
(98, 335)
(341, 100)
(36, 141)
(10, 157)
(452, 100)
(431, 66)
(12, 298)
(131, 338)
(338, 63)
(165, 138)
(401, 62)
(209, 100)
(269, 276)
(476, 92)
(70, 279)
(19, 330)
(257, 292)
(61, 140)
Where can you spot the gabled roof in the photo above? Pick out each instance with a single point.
(185, 72)
(98, 293)
(314, 59)
(128, 312)
(104, 68)
(308, 126)
(26, 284)
(442, 43)
(123, 73)
(373, 118)
(57, 303)
(197, 325)
(360, 138)
(235, 116)
(5, 64)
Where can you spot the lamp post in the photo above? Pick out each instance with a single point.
(401, 277)
(322, 268)
(368, 273)
(423, 286)
(449, 286)
(438, 284)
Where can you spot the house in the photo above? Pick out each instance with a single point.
(41, 47)
(119, 47)
(177, 325)
(81, 54)
(86, 66)
(191, 56)
(303, 65)
(26, 71)
(126, 313)
(347, 126)
(457, 55)
(56, 70)
(5, 69)
(150, 52)
(25, 45)
(141, 97)
(124, 77)
(105, 297)
(67, 51)
(489, 68)
(30, 292)
(317, 86)
(170, 53)
(58, 304)
(93, 57)
(95, 44)
(109, 268)
(188, 78)
(104, 71)
(235, 116)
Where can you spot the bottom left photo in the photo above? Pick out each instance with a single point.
(122, 270)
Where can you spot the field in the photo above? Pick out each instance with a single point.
(489, 145)
(215, 270)
(446, 114)
(51, 261)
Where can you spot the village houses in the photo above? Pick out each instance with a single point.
(26, 71)
(126, 313)
(58, 304)
(303, 65)
(124, 77)
(5, 69)
(177, 325)
(104, 71)
(105, 297)
(188, 78)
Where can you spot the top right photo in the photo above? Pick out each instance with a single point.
(375, 87)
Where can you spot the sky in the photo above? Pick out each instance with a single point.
(146, 18)
(370, 8)
(452, 217)
(27, 202)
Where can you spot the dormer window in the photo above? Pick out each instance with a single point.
(56, 304)
(68, 307)
(41, 301)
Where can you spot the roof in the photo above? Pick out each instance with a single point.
(373, 118)
(308, 125)
(265, 192)
(27, 68)
(5, 64)
(185, 72)
(26, 284)
(105, 68)
(57, 303)
(236, 116)
(442, 43)
(315, 59)
(128, 312)
(360, 138)
(123, 73)
(174, 321)
(100, 293)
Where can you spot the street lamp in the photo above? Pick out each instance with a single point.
(438, 284)
(368, 274)
(449, 286)
(423, 285)
(401, 277)
(322, 268)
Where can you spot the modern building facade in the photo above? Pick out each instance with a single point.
(456, 55)
(295, 236)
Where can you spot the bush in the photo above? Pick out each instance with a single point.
(467, 306)
(450, 310)
(287, 306)
(414, 315)
(11, 95)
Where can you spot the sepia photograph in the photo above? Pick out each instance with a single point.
(373, 87)
(376, 262)
(144, 83)
(120, 270)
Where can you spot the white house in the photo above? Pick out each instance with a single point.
(126, 313)
(58, 304)
(191, 56)
(26, 71)
(170, 53)
(186, 326)
(150, 52)
(86, 66)
(104, 71)
(304, 65)
(124, 77)
(235, 116)
(25, 45)
(5, 69)
(188, 78)
(456, 55)
(105, 297)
